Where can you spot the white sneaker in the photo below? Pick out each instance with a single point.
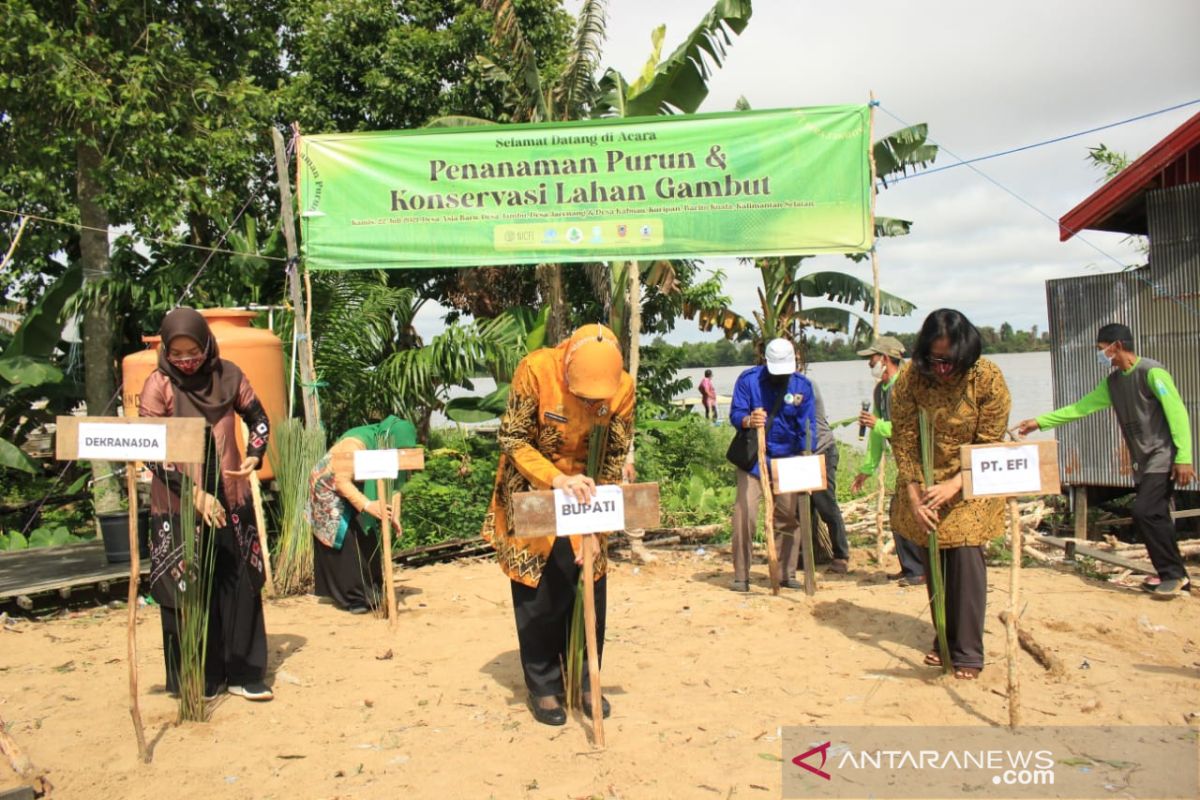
(257, 691)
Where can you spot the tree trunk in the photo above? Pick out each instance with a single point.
(550, 285)
(99, 383)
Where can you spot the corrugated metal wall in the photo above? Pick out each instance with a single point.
(1161, 303)
(1078, 307)
(1169, 314)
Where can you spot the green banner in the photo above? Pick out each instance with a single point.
(755, 183)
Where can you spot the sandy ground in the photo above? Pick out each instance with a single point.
(701, 679)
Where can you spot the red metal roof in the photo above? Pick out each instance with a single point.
(1119, 204)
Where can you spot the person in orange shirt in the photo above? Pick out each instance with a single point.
(557, 395)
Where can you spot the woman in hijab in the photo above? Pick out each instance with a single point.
(967, 400)
(345, 521)
(557, 395)
(192, 380)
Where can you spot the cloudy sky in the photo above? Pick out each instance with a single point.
(986, 78)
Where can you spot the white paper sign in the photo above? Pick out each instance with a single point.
(1006, 470)
(105, 441)
(605, 513)
(799, 474)
(376, 464)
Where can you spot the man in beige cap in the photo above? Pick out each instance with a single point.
(885, 357)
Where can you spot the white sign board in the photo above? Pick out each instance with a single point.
(605, 513)
(799, 474)
(376, 465)
(1006, 471)
(104, 441)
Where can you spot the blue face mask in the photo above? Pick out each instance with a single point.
(1104, 359)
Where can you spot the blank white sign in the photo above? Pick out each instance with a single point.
(376, 464)
(799, 474)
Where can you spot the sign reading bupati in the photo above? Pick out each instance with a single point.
(102, 441)
(1010, 469)
(606, 512)
(782, 182)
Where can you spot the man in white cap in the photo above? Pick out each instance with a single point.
(774, 396)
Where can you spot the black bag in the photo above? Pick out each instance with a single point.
(743, 450)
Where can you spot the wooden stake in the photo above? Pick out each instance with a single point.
(768, 494)
(135, 575)
(589, 630)
(260, 520)
(874, 261)
(1014, 586)
(882, 473)
(806, 526)
(389, 581)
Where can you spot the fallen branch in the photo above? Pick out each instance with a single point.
(21, 763)
(1036, 555)
(1048, 660)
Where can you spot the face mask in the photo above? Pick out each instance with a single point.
(1104, 359)
(943, 369)
(188, 366)
(779, 381)
(877, 370)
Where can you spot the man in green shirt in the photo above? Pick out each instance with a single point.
(1154, 424)
(885, 356)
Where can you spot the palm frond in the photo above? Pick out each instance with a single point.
(577, 86)
(841, 287)
(526, 81)
(906, 148)
(680, 82)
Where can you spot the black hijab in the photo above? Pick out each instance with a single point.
(212, 390)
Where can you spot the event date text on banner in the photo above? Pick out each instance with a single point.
(755, 183)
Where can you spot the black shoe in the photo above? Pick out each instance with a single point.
(547, 716)
(741, 586)
(587, 706)
(359, 610)
(792, 583)
(895, 576)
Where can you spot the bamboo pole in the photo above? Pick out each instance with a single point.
(1014, 679)
(385, 532)
(874, 260)
(300, 328)
(764, 481)
(135, 575)
(593, 650)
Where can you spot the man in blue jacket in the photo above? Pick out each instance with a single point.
(775, 396)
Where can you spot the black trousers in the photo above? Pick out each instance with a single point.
(1152, 518)
(912, 560)
(236, 651)
(544, 617)
(964, 575)
(826, 505)
(351, 576)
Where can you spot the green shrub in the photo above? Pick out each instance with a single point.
(449, 498)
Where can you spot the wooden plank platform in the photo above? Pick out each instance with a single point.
(26, 573)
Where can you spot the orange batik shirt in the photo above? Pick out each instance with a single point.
(544, 433)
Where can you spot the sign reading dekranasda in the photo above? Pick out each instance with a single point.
(100, 441)
(782, 182)
(932, 762)
(605, 513)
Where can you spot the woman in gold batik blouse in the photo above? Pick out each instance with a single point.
(967, 400)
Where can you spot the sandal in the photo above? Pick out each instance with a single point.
(932, 659)
(967, 673)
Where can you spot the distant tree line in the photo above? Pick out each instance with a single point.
(724, 353)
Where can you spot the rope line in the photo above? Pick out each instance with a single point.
(1158, 290)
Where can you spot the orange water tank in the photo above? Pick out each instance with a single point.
(257, 351)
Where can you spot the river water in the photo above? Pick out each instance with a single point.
(845, 385)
